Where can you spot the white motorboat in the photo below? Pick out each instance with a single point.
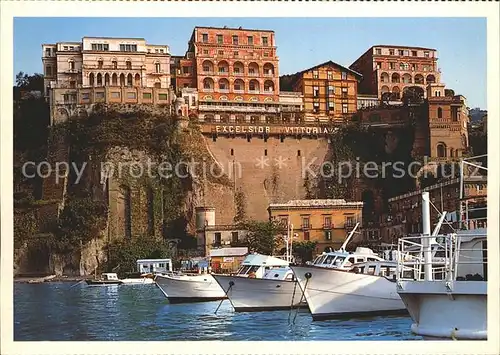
(367, 289)
(145, 279)
(447, 300)
(181, 288)
(271, 287)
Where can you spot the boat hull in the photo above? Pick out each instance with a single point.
(334, 293)
(102, 282)
(438, 313)
(139, 281)
(253, 295)
(185, 289)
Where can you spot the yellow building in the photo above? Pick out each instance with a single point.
(326, 222)
(330, 92)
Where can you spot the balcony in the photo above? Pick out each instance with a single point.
(238, 108)
(71, 71)
(208, 90)
(327, 226)
(306, 226)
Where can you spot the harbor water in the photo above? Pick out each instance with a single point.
(64, 311)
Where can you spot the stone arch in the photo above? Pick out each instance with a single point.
(268, 86)
(239, 85)
(419, 79)
(137, 79)
(253, 69)
(122, 79)
(99, 79)
(223, 66)
(254, 85)
(384, 89)
(430, 79)
(114, 79)
(91, 79)
(396, 92)
(395, 78)
(253, 99)
(223, 98)
(238, 98)
(441, 150)
(207, 66)
(106, 79)
(129, 79)
(268, 69)
(208, 84)
(384, 78)
(268, 99)
(62, 114)
(407, 78)
(223, 84)
(238, 68)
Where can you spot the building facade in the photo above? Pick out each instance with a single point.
(326, 222)
(330, 92)
(390, 69)
(73, 71)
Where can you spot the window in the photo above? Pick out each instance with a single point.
(220, 52)
(345, 109)
(378, 51)
(329, 75)
(331, 90)
(204, 37)
(392, 65)
(316, 91)
(414, 67)
(129, 64)
(344, 75)
(185, 70)
(328, 235)
(100, 47)
(147, 96)
(205, 51)
(220, 39)
(315, 74)
(344, 92)
(349, 221)
(128, 47)
(316, 107)
(426, 54)
(131, 95)
(99, 95)
(115, 95)
(65, 48)
(234, 237)
(265, 41)
(85, 96)
(305, 222)
(265, 152)
(401, 52)
(406, 53)
(331, 106)
(327, 222)
(48, 70)
(162, 97)
(232, 151)
(306, 235)
(403, 66)
(250, 40)
(391, 51)
(298, 153)
(266, 54)
(235, 40)
(193, 101)
(379, 65)
(440, 112)
(236, 54)
(47, 52)
(100, 63)
(426, 68)
(414, 53)
(217, 238)
(158, 67)
(115, 64)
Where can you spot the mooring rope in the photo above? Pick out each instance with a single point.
(231, 284)
(293, 297)
(307, 275)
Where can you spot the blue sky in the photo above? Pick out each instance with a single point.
(301, 42)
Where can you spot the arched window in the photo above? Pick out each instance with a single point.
(440, 112)
(115, 64)
(71, 64)
(441, 150)
(100, 63)
(158, 67)
(129, 64)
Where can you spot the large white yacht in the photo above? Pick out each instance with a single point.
(447, 300)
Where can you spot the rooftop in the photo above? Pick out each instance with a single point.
(233, 29)
(401, 46)
(315, 203)
(333, 64)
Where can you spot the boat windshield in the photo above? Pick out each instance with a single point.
(338, 261)
(320, 259)
(248, 269)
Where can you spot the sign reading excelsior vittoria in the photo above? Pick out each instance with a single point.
(308, 130)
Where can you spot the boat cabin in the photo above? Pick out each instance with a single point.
(376, 268)
(109, 276)
(281, 274)
(154, 266)
(256, 265)
(344, 260)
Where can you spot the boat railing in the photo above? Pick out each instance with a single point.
(453, 257)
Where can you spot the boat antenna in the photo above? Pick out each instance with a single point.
(349, 236)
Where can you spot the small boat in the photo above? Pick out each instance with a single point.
(262, 283)
(108, 278)
(185, 288)
(138, 279)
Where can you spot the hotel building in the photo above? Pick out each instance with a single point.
(103, 69)
(390, 69)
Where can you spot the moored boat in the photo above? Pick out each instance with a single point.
(107, 278)
(182, 288)
(262, 283)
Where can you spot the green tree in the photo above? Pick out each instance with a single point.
(304, 249)
(263, 237)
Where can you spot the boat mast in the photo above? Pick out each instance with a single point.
(426, 220)
(347, 240)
